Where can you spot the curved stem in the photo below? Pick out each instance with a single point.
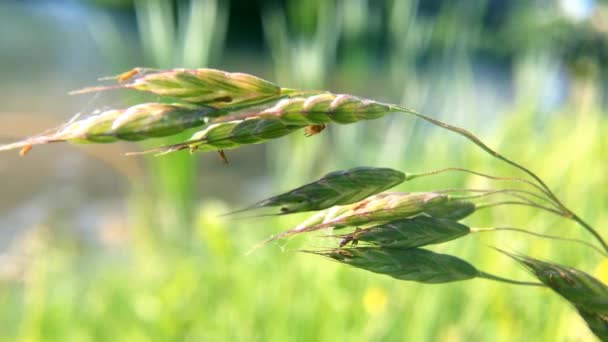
(538, 206)
(546, 236)
(588, 228)
(436, 172)
(526, 201)
(512, 192)
(508, 281)
(470, 136)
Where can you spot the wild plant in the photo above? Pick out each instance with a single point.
(369, 227)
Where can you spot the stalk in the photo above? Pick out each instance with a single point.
(489, 276)
(470, 136)
(545, 236)
(449, 169)
(534, 205)
(489, 192)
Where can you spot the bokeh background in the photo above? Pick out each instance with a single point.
(98, 246)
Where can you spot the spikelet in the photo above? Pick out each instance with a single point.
(577, 287)
(386, 207)
(143, 121)
(229, 135)
(335, 188)
(210, 87)
(587, 294)
(318, 109)
(290, 114)
(377, 209)
(408, 233)
(412, 264)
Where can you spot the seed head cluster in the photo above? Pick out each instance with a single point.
(379, 231)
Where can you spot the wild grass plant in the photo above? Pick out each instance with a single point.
(378, 231)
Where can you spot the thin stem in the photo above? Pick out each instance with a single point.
(546, 236)
(587, 227)
(523, 198)
(488, 192)
(436, 172)
(538, 206)
(509, 281)
(470, 136)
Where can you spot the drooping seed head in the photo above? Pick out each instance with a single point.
(211, 87)
(320, 109)
(93, 129)
(388, 206)
(577, 287)
(410, 232)
(142, 121)
(412, 264)
(587, 294)
(232, 134)
(335, 188)
(377, 209)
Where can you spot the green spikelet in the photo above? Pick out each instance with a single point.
(412, 264)
(408, 233)
(210, 87)
(143, 121)
(385, 207)
(587, 294)
(577, 287)
(335, 188)
(320, 109)
(232, 134)
(377, 209)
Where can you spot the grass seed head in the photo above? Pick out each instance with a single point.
(412, 264)
(381, 208)
(324, 108)
(139, 122)
(587, 294)
(235, 134)
(577, 287)
(142, 121)
(211, 87)
(410, 232)
(153, 120)
(389, 206)
(232, 134)
(319, 109)
(335, 188)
